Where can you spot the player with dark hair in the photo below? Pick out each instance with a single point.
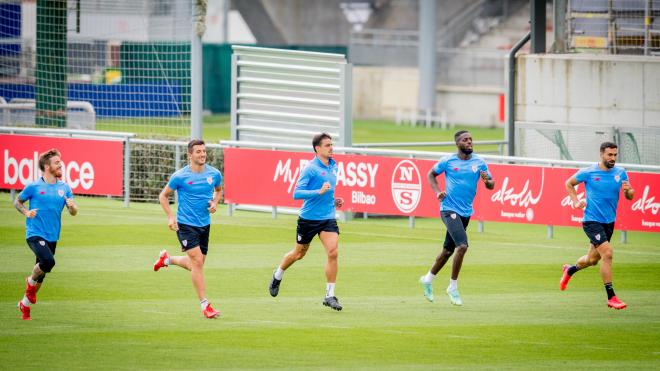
(603, 182)
(195, 185)
(463, 171)
(316, 186)
(47, 197)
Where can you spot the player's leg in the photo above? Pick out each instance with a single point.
(596, 235)
(305, 232)
(605, 251)
(440, 261)
(330, 241)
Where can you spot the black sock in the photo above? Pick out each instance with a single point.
(610, 290)
(572, 269)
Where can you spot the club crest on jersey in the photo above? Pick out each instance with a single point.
(474, 168)
(617, 178)
(597, 236)
(184, 242)
(42, 243)
(209, 180)
(60, 192)
(453, 216)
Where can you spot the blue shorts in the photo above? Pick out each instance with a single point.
(456, 226)
(191, 237)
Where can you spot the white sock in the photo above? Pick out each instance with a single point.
(329, 290)
(31, 281)
(428, 278)
(203, 303)
(25, 301)
(453, 284)
(279, 273)
(167, 261)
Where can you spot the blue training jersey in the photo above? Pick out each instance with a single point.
(194, 192)
(461, 178)
(602, 188)
(317, 206)
(49, 200)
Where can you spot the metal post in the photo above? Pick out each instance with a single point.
(411, 222)
(230, 209)
(345, 105)
(177, 157)
(551, 232)
(559, 25)
(225, 21)
(624, 236)
(480, 226)
(195, 77)
(12, 194)
(274, 212)
(234, 97)
(365, 216)
(426, 55)
(647, 24)
(127, 171)
(537, 17)
(511, 95)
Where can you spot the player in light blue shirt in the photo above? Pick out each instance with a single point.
(463, 171)
(603, 183)
(47, 196)
(199, 189)
(316, 187)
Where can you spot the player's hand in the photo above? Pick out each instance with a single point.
(212, 207)
(339, 202)
(440, 195)
(324, 188)
(69, 202)
(579, 205)
(484, 176)
(625, 186)
(173, 224)
(31, 213)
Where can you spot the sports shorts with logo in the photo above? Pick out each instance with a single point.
(456, 226)
(598, 232)
(191, 236)
(307, 229)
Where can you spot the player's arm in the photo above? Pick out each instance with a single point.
(213, 204)
(628, 191)
(433, 182)
(71, 206)
(572, 193)
(487, 179)
(301, 191)
(19, 205)
(164, 199)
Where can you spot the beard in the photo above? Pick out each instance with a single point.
(609, 165)
(466, 151)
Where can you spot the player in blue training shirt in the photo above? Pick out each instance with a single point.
(195, 185)
(602, 181)
(47, 197)
(463, 171)
(316, 186)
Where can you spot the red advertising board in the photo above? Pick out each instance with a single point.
(89, 166)
(395, 186)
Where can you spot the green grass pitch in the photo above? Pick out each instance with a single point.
(104, 308)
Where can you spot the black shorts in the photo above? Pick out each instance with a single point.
(307, 229)
(191, 236)
(456, 226)
(598, 232)
(44, 251)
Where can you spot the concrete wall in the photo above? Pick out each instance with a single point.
(602, 89)
(582, 98)
(379, 91)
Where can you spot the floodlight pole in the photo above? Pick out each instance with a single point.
(196, 92)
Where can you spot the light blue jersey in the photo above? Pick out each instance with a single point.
(49, 200)
(317, 206)
(194, 192)
(461, 178)
(603, 187)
